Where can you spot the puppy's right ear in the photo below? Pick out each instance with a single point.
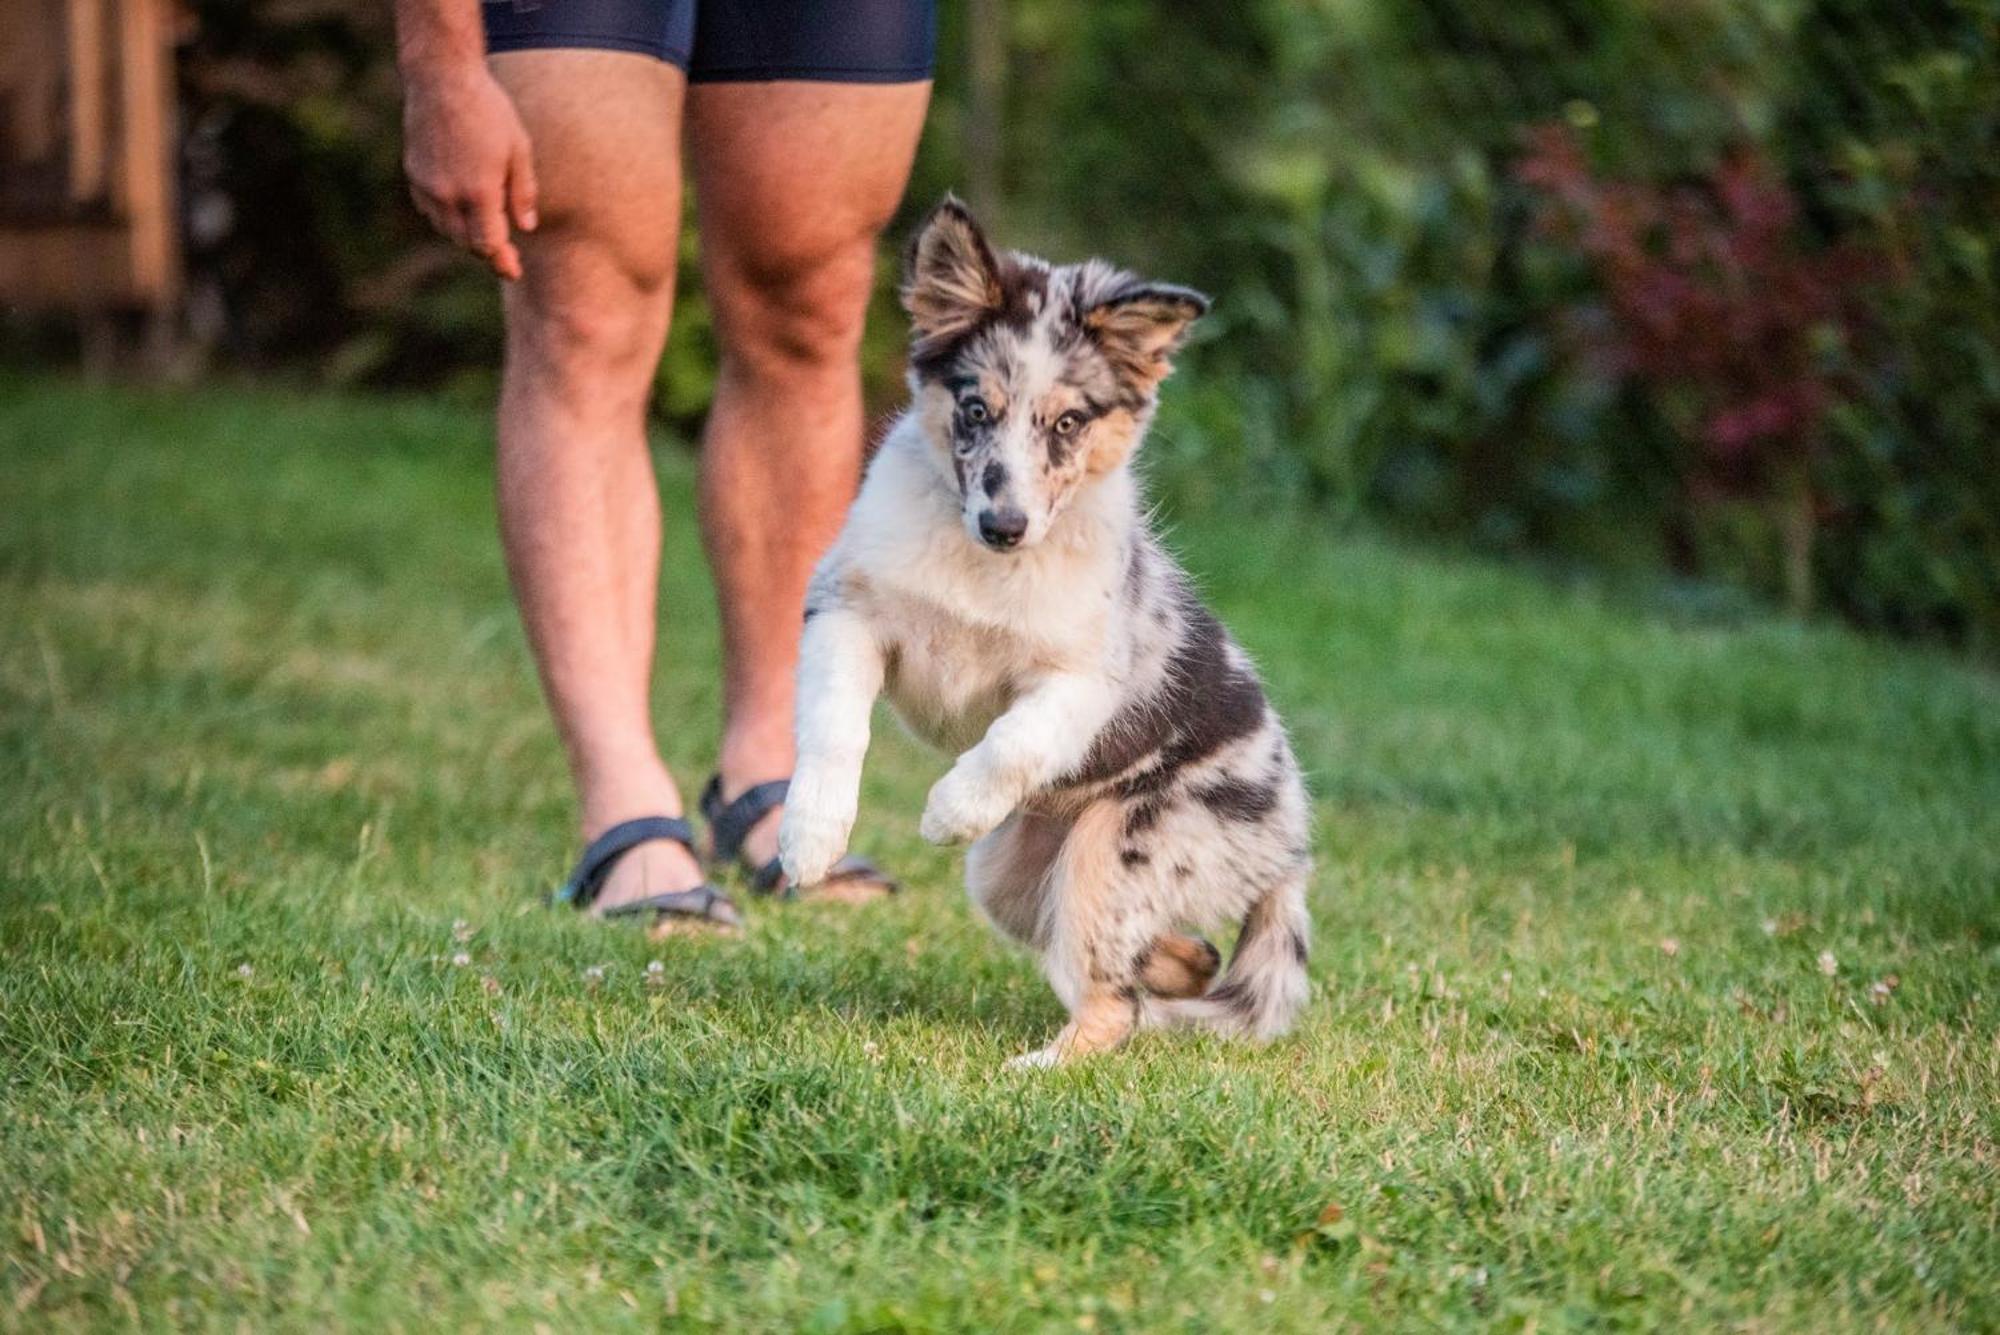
(951, 283)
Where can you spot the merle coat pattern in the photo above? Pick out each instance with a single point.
(1120, 774)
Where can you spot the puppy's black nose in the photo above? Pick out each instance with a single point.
(1002, 528)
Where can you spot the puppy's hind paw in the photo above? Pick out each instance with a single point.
(1040, 1059)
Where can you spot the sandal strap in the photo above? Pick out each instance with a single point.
(770, 878)
(703, 901)
(730, 823)
(588, 878)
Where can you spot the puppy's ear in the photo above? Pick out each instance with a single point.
(1139, 327)
(951, 282)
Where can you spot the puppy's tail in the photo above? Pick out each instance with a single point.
(1265, 986)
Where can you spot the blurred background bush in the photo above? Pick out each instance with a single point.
(1701, 286)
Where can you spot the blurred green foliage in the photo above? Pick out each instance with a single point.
(1395, 333)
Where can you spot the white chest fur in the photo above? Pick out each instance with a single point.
(964, 629)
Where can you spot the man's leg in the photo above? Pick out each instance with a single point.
(793, 183)
(579, 508)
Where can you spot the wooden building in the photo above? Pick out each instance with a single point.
(88, 219)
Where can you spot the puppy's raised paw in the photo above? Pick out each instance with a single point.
(809, 844)
(961, 808)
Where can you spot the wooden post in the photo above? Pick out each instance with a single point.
(88, 215)
(147, 159)
(85, 122)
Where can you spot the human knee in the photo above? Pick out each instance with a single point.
(789, 309)
(580, 338)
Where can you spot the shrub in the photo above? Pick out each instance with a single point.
(1711, 302)
(1406, 324)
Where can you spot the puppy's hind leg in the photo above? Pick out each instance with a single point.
(1007, 875)
(1177, 966)
(1103, 921)
(1103, 1020)
(1174, 966)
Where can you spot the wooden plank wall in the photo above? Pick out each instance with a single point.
(88, 215)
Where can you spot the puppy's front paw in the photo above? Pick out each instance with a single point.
(961, 808)
(810, 842)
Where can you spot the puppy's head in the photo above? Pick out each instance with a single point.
(1031, 381)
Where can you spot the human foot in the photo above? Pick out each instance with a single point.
(656, 867)
(645, 866)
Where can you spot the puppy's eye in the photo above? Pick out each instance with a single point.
(1069, 423)
(974, 411)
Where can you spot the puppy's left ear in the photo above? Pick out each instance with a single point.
(1141, 326)
(951, 281)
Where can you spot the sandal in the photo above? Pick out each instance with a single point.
(729, 823)
(701, 901)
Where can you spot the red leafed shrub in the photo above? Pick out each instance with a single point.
(1713, 306)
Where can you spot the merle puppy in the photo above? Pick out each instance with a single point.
(1119, 774)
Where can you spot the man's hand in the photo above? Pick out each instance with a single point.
(470, 165)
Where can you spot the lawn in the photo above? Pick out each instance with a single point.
(1655, 972)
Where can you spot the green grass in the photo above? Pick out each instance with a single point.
(271, 755)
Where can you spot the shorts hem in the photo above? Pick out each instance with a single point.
(811, 74)
(559, 41)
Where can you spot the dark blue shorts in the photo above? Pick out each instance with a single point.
(735, 41)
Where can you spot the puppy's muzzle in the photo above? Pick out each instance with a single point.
(1002, 527)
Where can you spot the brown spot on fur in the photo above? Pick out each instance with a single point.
(1178, 966)
(1108, 441)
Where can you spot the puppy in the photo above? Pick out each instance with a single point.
(1119, 772)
